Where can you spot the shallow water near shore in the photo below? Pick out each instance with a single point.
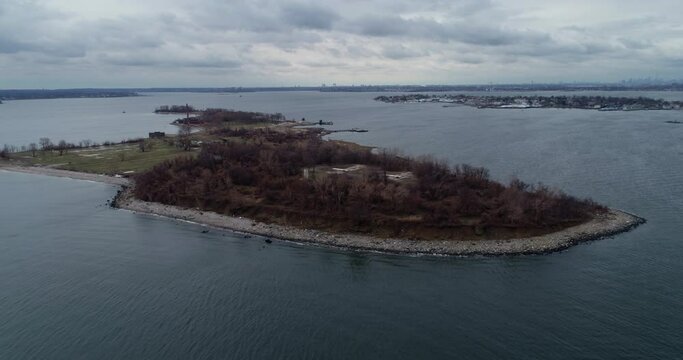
(82, 280)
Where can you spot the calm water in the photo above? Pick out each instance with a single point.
(80, 280)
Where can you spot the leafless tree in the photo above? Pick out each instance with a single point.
(62, 147)
(145, 145)
(32, 147)
(4, 153)
(184, 139)
(45, 143)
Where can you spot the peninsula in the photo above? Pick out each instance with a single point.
(274, 179)
(600, 103)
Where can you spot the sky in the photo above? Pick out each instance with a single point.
(224, 43)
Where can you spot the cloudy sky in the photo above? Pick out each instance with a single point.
(141, 43)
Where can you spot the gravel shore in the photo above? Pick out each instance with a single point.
(603, 225)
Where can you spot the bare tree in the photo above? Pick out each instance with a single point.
(184, 139)
(45, 143)
(32, 147)
(145, 145)
(61, 147)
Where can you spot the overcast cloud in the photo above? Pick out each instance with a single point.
(126, 43)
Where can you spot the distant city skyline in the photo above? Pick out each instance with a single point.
(214, 43)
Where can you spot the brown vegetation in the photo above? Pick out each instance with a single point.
(273, 176)
(219, 117)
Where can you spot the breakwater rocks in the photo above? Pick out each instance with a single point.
(114, 202)
(602, 225)
(600, 103)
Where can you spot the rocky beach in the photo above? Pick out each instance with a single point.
(602, 225)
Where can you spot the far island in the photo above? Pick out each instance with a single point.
(36, 94)
(263, 174)
(600, 103)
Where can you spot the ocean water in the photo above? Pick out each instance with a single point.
(81, 280)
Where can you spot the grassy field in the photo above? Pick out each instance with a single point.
(125, 159)
(114, 159)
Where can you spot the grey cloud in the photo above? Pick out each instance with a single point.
(126, 33)
(244, 15)
(471, 60)
(562, 52)
(636, 44)
(154, 61)
(443, 32)
(309, 16)
(266, 37)
(209, 63)
(380, 26)
(128, 61)
(327, 64)
(401, 52)
(274, 62)
(66, 50)
(9, 46)
(286, 41)
(472, 7)
(356, 51)
(480, 35)
(46, 46)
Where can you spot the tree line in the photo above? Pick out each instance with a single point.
(45, 144)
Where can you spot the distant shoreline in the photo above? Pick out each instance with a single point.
(611, 223)
(598, 103)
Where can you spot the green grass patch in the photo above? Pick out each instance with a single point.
(114, 159)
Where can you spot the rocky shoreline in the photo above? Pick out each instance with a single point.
(603, 225)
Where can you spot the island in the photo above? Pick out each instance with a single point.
(264, 174)
(175, 109)
(36, 94)
(600, 103)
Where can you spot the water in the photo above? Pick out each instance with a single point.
(80, 280)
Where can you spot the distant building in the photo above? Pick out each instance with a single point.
(157, 135)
